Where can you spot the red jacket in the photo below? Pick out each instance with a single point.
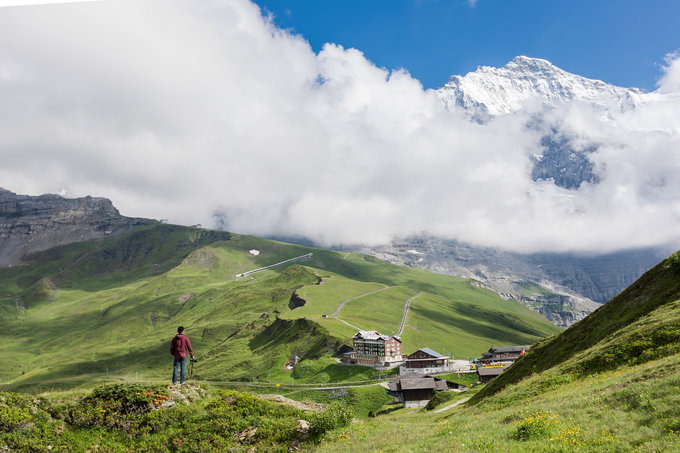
(179, 345)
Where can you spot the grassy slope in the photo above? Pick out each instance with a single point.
(114, 304)
(639, 323)
(616, 389)
(609, 383)
(634, 408)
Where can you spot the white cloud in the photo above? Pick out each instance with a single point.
(670, 81)
(175, 110)
(5, 3)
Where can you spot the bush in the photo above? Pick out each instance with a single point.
(23, 423)
(130, 417)
(334, 416)
(672, 261)
(235, 412)
(15, 411)
(117, 405)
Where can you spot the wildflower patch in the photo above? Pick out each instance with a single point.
(536, 425)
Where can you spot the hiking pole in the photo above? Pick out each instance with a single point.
(191, 370)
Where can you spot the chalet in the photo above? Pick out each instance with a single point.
(504, 354)
(426, 361)
(416, 390)
(373, 349)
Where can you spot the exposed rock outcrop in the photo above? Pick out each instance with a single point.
(296, 301)
(31, 224)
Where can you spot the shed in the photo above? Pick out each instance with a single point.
(416, 390)
(488, 373)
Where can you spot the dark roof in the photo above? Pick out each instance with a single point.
(508, 349)
(416, 381)
(441, 384)
(410, 375)
(490, 371)
(417, 384)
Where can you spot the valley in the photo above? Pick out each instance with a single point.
(111, 305)
(608, 383)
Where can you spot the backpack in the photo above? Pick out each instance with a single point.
(173, 346)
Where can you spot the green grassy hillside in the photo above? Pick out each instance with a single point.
(640, 324)
(609, 383)
(112, 306)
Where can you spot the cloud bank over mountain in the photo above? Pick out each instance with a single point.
(205, 111)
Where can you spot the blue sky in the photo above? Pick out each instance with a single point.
(622, 42)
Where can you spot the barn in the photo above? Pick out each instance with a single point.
(416, 390)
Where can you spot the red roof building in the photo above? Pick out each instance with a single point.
(426, 358)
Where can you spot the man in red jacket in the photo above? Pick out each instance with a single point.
(178, 348)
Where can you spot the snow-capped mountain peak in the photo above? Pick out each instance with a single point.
(493, 91)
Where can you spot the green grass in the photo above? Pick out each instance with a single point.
(381, 311)
(641, 323)
(142, 417)
(609, 383)
(114, 305)
(467, 379)
(530, 289)
(632, 409)
(323, 299)
(464, 330)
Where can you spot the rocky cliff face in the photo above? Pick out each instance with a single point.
(31, 224)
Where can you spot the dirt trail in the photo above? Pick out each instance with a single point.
(403, 318)
(306, 406)
(457, 403)
(342, 304)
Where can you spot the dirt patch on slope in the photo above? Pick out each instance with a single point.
(305, 406)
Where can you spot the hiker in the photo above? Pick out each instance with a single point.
(178, 347)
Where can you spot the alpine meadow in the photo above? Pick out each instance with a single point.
(241, 226)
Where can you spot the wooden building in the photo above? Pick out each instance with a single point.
(486, 373)
(426, 358)
(504, 354)
(416, 390)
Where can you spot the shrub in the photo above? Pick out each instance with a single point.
(672, 261)
(235, 412)
(15, 411)
(334, 416)
(117, 405)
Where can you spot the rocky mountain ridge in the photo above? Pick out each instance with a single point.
(563, 287)
(537, 87)
(490, 91)
(30, 224)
